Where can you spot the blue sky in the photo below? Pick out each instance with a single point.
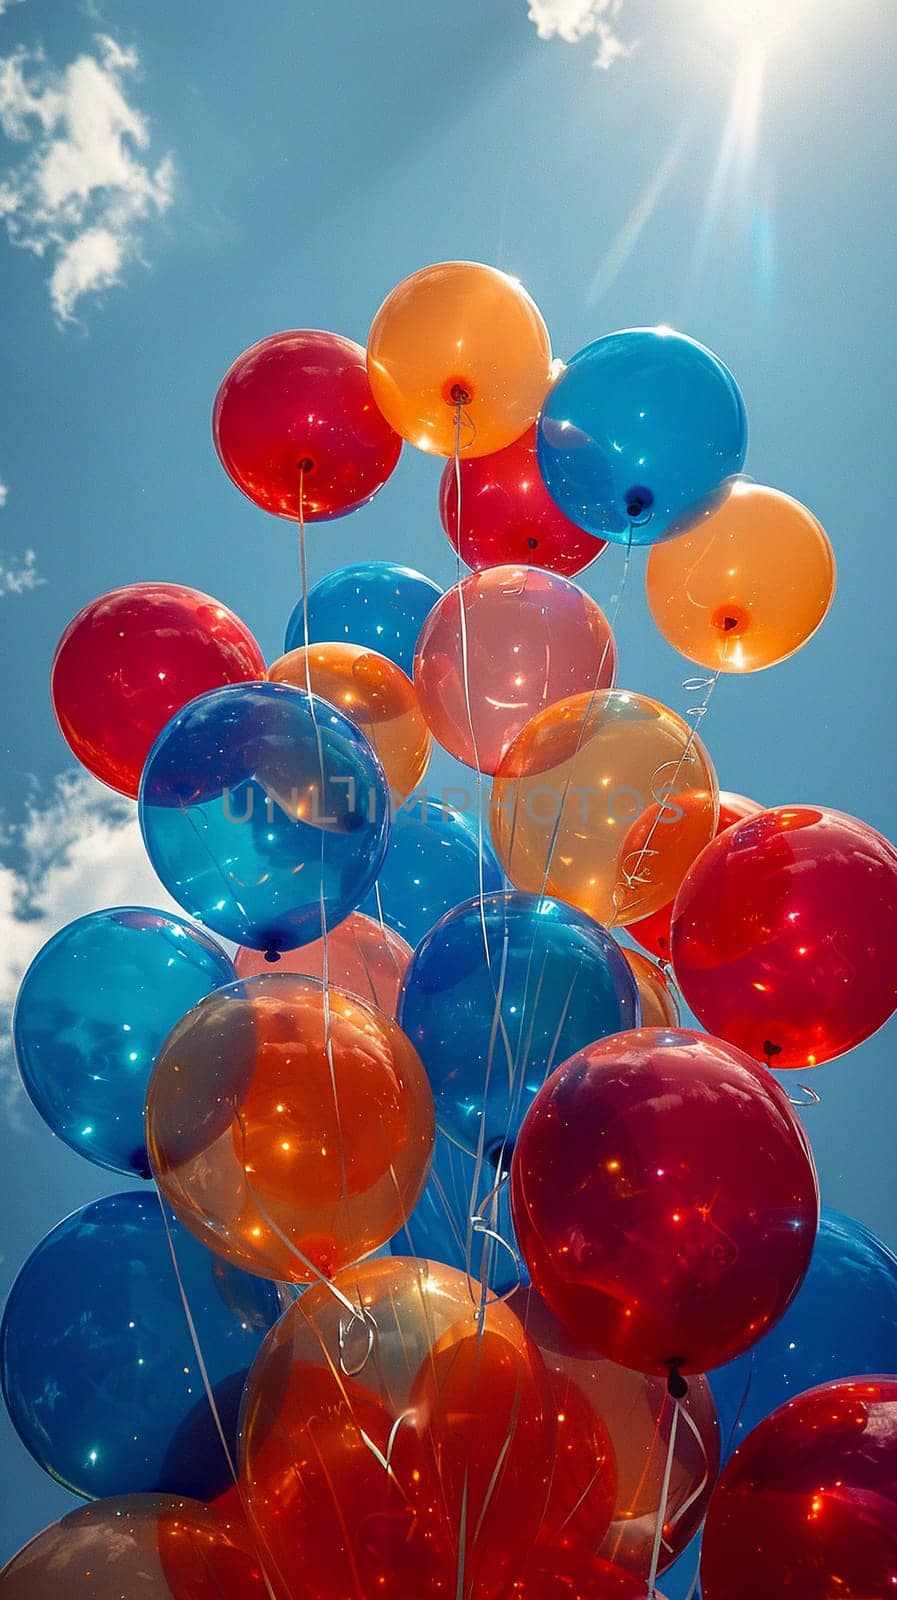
(238, 169)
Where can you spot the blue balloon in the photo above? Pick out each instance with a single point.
(497, 995)
(92, 1014)
(99, 1371)
(241, 828)
(639, 433)
(842, 1323)
(679, 1582)
(432, 863)
(374, 603)
(439, 1224)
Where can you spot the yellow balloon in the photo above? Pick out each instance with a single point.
(373, 693)
(659, 1007)
(748, 585)
(459, 341)
(604, 801)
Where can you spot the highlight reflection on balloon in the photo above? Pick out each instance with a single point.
(378, 604)
(653, 932)
(362, 957)
(289, 1130)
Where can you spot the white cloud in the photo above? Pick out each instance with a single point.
(574, 20)
(3, 493)
(5, 5)
(81, 195)
(18, 573)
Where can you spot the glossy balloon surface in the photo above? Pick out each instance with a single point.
(664, 1199)
(362, 957)
(290, 1130)
(604, 801)
(639, 433)
(265, 813)
(500, 992)
(303, 396)
(747, 586)
(559, 1574)
(507, 514)
(808, 1505)
(465, 1204)
(92, 1013)
(378, 604)
(499, 647)
(432, 863)
(783, 934)
(100, 1375)
(659, 1008)
(653, 933)
(130, 660)
(459, 352)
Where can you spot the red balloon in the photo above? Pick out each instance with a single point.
(132, 659)
(664, 1199)
(807, 1507)
(562, 1575)
(303, 397)
(783, 935)
(653, 933)
(507, 514)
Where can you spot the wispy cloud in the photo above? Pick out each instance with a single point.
(3, 494)
(574, 20)
(82, 195)
(18, 573)
(5, 5)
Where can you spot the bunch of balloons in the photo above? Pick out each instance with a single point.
(450, 1215)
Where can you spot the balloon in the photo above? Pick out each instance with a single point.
(560, 1575)
(100, 1376)
(747, 586)
(265, 812)
(664, 1199)
(458, 352)
(458, 1406)
(132, 659)
(499, 647)
(289, 1128)
(808, 1505)
(144, 1547)
(653, 933)
(375, 695)
(297, 407)
(656, 999)
(841, 1322)
(604, 801)
(635, 1413)
(92, 1014)
(523, 982)
(373, 603)
(465, 1204)
(363, 958)
(639, 433)
(783, 934)
(432, 864)
(507, 514)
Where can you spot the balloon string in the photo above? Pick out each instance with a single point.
(662, 1508)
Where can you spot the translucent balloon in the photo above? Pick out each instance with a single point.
(432, 864)
(783, 934)
(130, 660)
(459, 340)
(301, 400)
(664, 1199)
(100, 1376)
(466, 1202)
(143, 1547)
(290, 1132)
(507, 514)
(373, 603)
(559, 1574)
(373, 693)
(363, 957)
(92, 1014)
(656, 999)
(523, 981)
(265, 813)
(639, 433)
(653, 933)
(604, 801)
(499, 647)
(749, 583)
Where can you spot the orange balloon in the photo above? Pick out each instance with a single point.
(363, 958)
(143, 1547)
(373, 693)
(459, 340)
(748, 585)
(604, 801)
(659, 1006)
(290, 1128)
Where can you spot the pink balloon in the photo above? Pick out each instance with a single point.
(362, 958)
(522, 639)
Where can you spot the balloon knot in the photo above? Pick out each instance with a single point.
(677, 1386)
